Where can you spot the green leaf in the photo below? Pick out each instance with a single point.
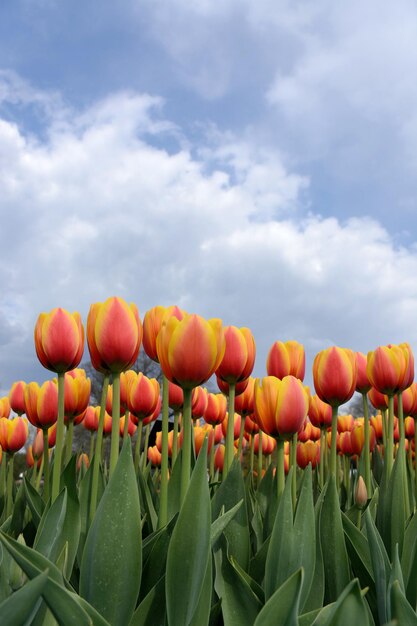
(401, 609)
(18, 515)
(152, 610)
(257, 564)
(304, 554)
(282, 607)
(380, 566)
(201, 615)
(347, 610)
(396, 576)
(219, 525)
(111, 565)
(391, 516)
(189, 548)
(335, 559)
(409, 561)
(154, 559)
(230, 493)
(21, 607)
(35, 503)
(147, 503)
(85, 499)
(174, 487)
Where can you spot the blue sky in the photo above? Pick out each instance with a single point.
(254, 161)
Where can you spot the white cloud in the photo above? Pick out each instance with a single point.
(95, 208)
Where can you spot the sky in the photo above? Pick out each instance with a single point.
(253, 161)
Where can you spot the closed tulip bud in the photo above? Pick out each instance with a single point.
(13, 434)
(114, 335)
(239, 356)
(319, 412)
(83, 461)
(17, 397)
(344, 443)
(152, 323)
(77, 389)
(59, 340)
(216, 409)
(219, 457)
(41, 403)
(91, 419)
(52, 436)
(244, 401)
(334, 373)
(30, 461)
(37, 446)
(4, 407)
(362, 382)
(308, 452)
(345, 423)
(199, 402)
(239, 388)
(361, 494)
(218, 434)
(190, 350)
(388, 368)
(154, 456)
(286, 359)
(280, 405)
(377, 399)
(143, 396)
(175, 397)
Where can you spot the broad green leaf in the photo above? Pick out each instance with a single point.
(380, 566)
(335, 559)
(85, 499)
(154, 560)
(21, 607)
(316, 596)
(402, 611)
(282, 607)
(219, 525)
(391, 515)
(174, 487)
(347, 610)
(396, 576)
(18, 515)
(147, 503)
(409, 561)
(304, 554)
(35, 503)
(152, 610)
(201, 615)
(189, 548)
(111, 565)
(257, 564)
(230, 493)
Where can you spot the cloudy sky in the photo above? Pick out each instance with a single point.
(254, 161)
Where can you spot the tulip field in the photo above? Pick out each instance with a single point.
(257, 505)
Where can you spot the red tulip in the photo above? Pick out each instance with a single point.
(216, 409)
(114, 335)
(199, 401)
(239, 388)
(219, 457)
(376, 423)
(41, 404)
(59, 340)
(4, 407)
(286, 359)
(76, 395)
(154, 456)
(390, 368)
(280, 405)
(377, 399)
(308, 452)
(334, 373)
(239, 355)
(17, 397)
(143, 396)
(83, 460)
(152, 323)
(251, 427)
(13, 433)
(91, 419)
(345, 423)
(175, 397)
(362, 382)
(244, 401)
(268, 444)
(357, 438)
(131, 427)
(236, 425)
(319, 412)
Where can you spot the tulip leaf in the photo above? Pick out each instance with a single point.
(189, 548)
(152, 610)
(349, 609)
(230, 493)
(35, 503)
(21, 607)
(219, 525)
(257, 564)
(304, 554)
(147, 503)
(18, 515)
(409, 560)
(380, 566)
(240, 605)
(174, 487)
(282, 607)
(402, 611)
(395, 576)
(201, 615)
(85, 499)
(155, 558)
(111, 564)
(316, 595)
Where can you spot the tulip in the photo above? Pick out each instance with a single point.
(37, 446)
(154, 456)
(376, 423)
(239, 387)
(245, 400)
(142, 397)
(77, 389)
(251, 427)
(219, 457)
(4, 407)
(286, 359)
(320, 413)
(17, 397)
(361, 494)
(335, 374)
(378, 400)
(345, 423)
(239, 355)
(59, 340)
(83, 462)
(13, 436)
(308, 452)
(357, 438)
(199, 399)
(363, 385)
(216, 409)
(267, 443)
(152, 323)
(131, 427)
(175, 397)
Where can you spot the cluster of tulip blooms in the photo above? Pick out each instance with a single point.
(251, 417)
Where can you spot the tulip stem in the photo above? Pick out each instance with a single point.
(145, 447)
(280, 467)
(68, 441)
(293, 451)
(39, 476)
(323, 444)
(333, 449)
(126, 424)
(92, 441)
(252, 455)
(367, 445)
(163, 499)
(138, 444)
(115, 435)
(45, 465)
(401, 452)
(10, 482)
(346, 472)
(389, 446)
(175, 437)
(242, 430)
(211, 463)
(99, 447)
(230, 430)
(56, 474)
(259, 459)
(186, 445)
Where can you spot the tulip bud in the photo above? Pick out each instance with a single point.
(239, 355)
(59, 340)
(334, 373)
(361, 495)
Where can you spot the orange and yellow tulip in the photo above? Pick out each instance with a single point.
(142, 396)
(152, 323)
(41, 403)
(363, 384)
(334, 373)
(308, 452)
(216, 409)
(319, 412)
(244, 401)
(389, 368)
(199, 401)
(59, 340)
(281, 406)
(17, 397)
(239, 355)
(286, 359)
(4, 407)
(13, 433)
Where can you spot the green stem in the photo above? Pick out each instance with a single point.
(56, 475)
(145, 447)
(384, 420)
(280, 467)
(10, 483)
(211, 463)
(367, 445)
(252, 455)
(389, 446)
(186, 445)
(333, 449)
(99, 448)
(230, 433)
(242, 430)
(323, 444)
(139, 433)
(293, 461)
(259, 458)
(163, 501)
(68, 441)
(175, 438)
(401, 452)
(346, 473)
(45, 465)
(115, 435)
(39, 476)
(92, 441)
(126, 425)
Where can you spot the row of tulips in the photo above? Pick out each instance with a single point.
(299, 540)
